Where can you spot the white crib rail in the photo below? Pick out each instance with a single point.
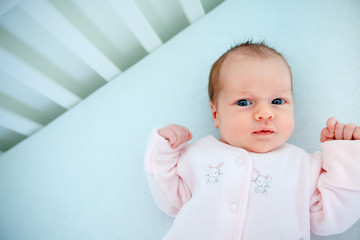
(54, 53)
(64, 31)
(18, 123)
(193, 9)
(137, 24)
(29, 76)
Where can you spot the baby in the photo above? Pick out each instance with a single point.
(250, 184)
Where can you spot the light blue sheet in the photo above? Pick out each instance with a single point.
(81, 177)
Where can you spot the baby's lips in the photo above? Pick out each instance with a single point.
(262, 130)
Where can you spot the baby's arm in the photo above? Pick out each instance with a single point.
(339, 131)
(163, 152)
(335, 200)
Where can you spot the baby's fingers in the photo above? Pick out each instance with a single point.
(189, 136)
(331, 124)
(175, 134)
(326, 135)
(349, 131)
(339, 131)
(171, 136)
(183, 135)
(356, 134)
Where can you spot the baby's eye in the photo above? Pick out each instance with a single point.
(278, 101)
(243, 103)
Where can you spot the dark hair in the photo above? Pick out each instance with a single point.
(248, 48)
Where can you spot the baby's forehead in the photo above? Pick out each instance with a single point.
(239, 58)
(246, 56)
(254, 50)
(253, 65)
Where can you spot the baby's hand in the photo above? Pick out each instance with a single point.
(339, 131)
(175, 134)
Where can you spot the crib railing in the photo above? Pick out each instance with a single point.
(54, 53)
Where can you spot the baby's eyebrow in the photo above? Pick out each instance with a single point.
(287, 92)
(244, 93)
(284, 92)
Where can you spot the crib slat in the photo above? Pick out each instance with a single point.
(193, 9)
(34, 79)
(18, 123)
(25, 95)
(53, 21)
(137, 23)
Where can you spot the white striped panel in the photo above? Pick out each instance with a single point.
(25, 95)
(52, 20)
(34, 79)
(193, 9)
(118, 42)
(18, 123)
(137, 23)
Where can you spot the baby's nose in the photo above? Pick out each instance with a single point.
(264, 113)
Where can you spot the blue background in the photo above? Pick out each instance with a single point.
(82, 177)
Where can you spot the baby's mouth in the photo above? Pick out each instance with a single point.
(264, 132)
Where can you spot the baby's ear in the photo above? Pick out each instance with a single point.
(214, 114)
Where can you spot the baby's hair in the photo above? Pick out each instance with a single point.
(249, 48)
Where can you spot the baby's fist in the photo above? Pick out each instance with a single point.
(339, 131)
(175, 134)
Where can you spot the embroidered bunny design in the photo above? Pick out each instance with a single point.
(262, 183)
(213, 173)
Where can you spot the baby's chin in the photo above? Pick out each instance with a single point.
(261, 147)
(256, 146)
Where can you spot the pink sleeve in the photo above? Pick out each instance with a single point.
(335, 203)
(168, 189)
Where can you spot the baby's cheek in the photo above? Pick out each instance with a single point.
(288, 128)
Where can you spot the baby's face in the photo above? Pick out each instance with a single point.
(254, 109)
